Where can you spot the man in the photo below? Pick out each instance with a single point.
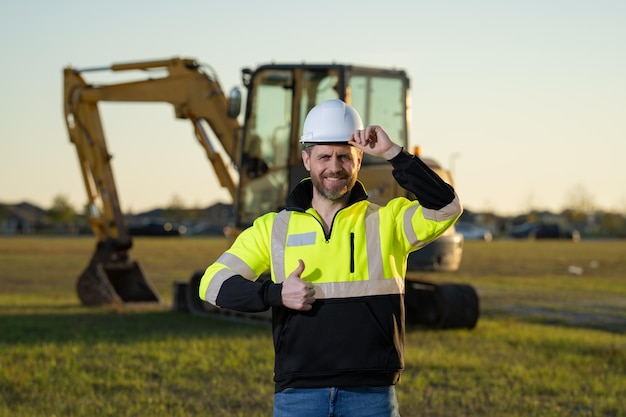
(337, 264)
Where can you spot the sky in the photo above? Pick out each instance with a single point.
(525, 101)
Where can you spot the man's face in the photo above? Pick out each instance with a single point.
(333, 168)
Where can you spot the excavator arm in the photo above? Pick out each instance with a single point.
(111, 276)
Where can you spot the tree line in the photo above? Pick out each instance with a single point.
(63, 218)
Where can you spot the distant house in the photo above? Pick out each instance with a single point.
(22, 219)
(25, 218)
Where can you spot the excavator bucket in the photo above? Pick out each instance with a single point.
(111, 278)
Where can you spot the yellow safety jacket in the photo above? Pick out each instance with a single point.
(354, 334)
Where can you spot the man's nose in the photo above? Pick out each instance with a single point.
(336, 163)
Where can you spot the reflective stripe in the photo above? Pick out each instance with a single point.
(409, 231)
(445, 213)
(237, 265)
(301, 239)
(279, 235)
(216, 284)
(372, 236)
(233, 265)
(359, 288)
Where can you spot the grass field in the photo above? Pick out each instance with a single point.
(551, 339)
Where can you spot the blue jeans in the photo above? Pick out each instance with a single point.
(337, 402)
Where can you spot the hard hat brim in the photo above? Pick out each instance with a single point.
(343, 142)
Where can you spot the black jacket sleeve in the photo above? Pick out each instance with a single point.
(240, 294)
(415, 176)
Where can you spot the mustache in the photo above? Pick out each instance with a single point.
(341, 175)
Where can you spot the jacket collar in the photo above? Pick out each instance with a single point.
(301, 196)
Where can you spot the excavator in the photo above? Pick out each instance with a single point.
(265, 154)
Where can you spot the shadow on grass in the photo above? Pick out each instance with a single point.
(57, 325)
(75, 324)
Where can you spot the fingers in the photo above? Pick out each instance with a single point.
(372, 139)
(310, 291)
(367, 137)
(309, 298)
(307, 303)
(375, 141)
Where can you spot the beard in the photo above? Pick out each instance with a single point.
(334, 190)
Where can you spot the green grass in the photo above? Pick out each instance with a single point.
(548, 343)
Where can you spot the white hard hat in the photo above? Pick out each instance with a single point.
(331, 121)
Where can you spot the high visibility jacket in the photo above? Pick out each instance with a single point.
(354, 334)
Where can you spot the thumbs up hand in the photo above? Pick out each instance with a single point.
(298, 294)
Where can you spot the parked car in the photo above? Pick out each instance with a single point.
(545, 231)
(156, 229)
(472, 231)
(523, 231)
(555, 231)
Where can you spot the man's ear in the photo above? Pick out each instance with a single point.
(306, 160)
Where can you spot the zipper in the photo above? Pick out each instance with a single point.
(327, 238)
(352, 252)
